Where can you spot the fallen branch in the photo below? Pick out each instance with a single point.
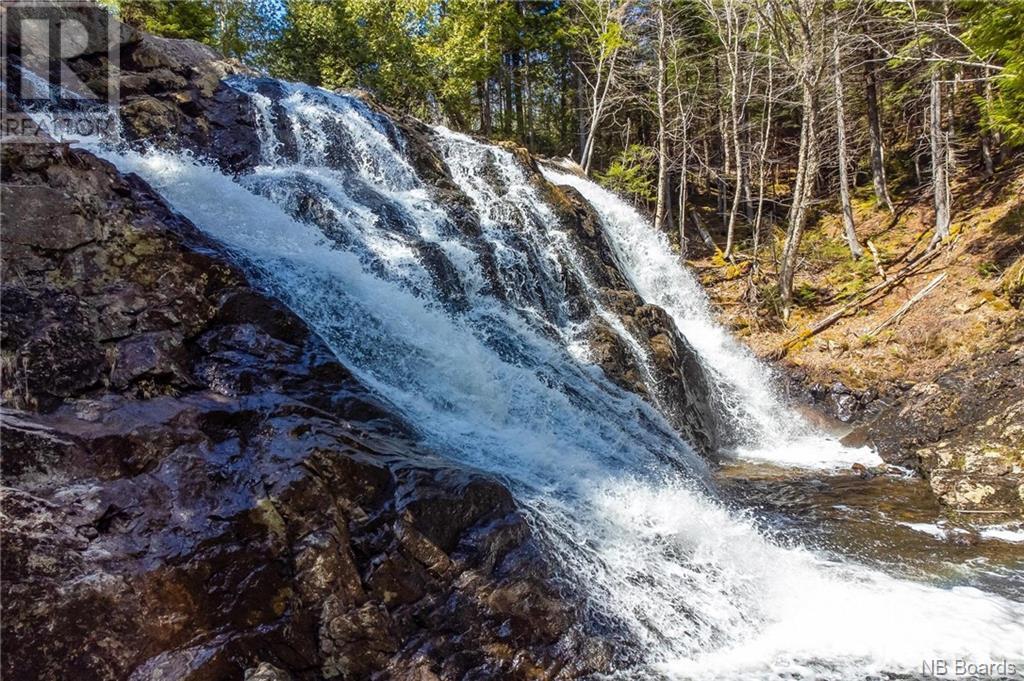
(878, 261)
(871, 296)
(899, 314)
(705, 237)
(993, 512)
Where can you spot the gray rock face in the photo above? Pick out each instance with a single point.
(964, 430)
(682, 385)
(195, 488)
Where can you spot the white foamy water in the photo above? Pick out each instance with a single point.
(500, 384)
(1013, 535)
(770, 431)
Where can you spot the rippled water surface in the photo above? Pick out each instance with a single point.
(890, 522)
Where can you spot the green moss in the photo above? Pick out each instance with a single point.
(806, 295)
(988, 269)
(265, 513)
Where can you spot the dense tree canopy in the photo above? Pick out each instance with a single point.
(738, 114)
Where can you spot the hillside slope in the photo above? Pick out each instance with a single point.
(922, 350)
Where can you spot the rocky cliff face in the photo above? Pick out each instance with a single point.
(964, 430)
(194, 487)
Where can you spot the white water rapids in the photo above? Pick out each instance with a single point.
(771, 431)
(495, 375)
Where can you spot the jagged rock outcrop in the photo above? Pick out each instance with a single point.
(964, 430)
(195, 488)
(682, 389)
(172, 94)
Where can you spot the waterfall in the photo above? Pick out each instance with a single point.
(770, 430)
(468, 332)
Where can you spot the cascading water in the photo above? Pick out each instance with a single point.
(338, 225)
(771, 431)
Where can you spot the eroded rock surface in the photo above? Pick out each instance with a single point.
(666, 359)
(195, 488)
(964, 430)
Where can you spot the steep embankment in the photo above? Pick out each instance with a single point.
(931, 368)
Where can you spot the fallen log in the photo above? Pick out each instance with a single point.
(704, 235)
(898, 315)
(872, 295)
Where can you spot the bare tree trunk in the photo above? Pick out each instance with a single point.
(807, 170)
(704, 235)
(986, 155)
(660, 205)
(748, 168)
(484, 93)
(506, 121)
(738, 161)
(517, 90)
(733, 60)
(683, 187)
(986, 137)
(597, 108)
(940, 180)
(683, 190)
(765, 139)
(844, 182)
(527, 102)
(723, 148)
(581, 116)
(604, 75)
(875, 131)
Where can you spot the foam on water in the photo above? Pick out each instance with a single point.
(618, 499)
(770, 431)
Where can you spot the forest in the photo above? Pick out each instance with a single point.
(734, 123)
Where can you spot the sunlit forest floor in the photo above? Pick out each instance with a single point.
(968, 310)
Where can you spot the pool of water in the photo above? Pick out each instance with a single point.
(890, 522)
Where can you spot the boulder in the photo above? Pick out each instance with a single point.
(964, 430)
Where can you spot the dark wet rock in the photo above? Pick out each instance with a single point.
(172, 95)
(156, 357)
(843, 406)
(838, 401)
(195, 488)
(419, 140)
(964, 430)
(46, 228)
(287, 146)
(683, 391)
